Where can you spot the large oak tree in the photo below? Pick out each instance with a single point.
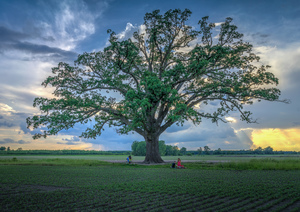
(162, 75)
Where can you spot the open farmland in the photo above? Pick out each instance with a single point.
(122, 158)
(120, 187)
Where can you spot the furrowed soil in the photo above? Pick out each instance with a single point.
(130, 188)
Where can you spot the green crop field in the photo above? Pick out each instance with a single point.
(92, 185)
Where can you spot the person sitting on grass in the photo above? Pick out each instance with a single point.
(179, 166)
(129, 159)
(173, 165)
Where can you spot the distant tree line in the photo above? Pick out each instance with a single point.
(259, 151)
(139, 149)
(20, 151)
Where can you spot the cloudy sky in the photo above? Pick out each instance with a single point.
(35, 35)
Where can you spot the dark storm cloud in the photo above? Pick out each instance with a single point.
(222, 136)
(6, 124)
(22, 96)
(107, 137)
(13, 40)
(75, 140)
(9, 140)
(274, 114)
(23, 127)
(175, 128)
(68, 143)
(206, 131)
(43, 49)
(36, 32)
(259, 38)
(23, 142)
(8, 35)
(259, 35)
(8, 121)
(18, 119)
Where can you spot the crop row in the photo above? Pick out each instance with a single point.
(35, 188)
(108, 201)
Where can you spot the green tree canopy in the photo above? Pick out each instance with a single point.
(172, 150)
(162, 75)
(268, 150)
(183, 150)
(206, 150)
(199, 151)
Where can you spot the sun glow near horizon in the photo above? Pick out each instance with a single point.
(278, 139)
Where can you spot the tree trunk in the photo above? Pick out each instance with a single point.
(152, 150)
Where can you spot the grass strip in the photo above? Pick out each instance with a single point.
(254, 164)
(262, 164)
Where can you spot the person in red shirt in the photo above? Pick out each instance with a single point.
(179, 164)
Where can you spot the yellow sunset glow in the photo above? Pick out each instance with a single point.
(278, 139)
(230, 119)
